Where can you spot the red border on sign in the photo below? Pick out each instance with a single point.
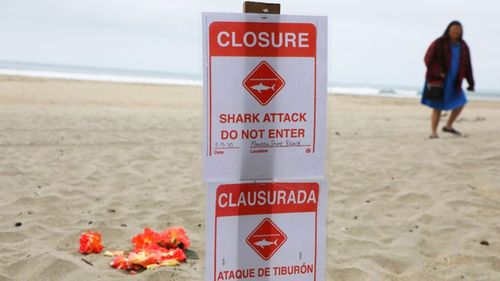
(259, 211)
(215, 52)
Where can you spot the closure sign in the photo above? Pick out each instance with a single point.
(265, 96)
(266, 231)
(264, 146)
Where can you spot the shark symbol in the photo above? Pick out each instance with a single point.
(264, 243)
(261, 87)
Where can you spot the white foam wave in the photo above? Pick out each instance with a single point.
(102, 77)
(372, 91)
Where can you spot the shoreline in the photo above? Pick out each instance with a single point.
(343, 91)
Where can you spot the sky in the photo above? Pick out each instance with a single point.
(370, 42)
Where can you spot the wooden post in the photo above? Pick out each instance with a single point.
(261, 7)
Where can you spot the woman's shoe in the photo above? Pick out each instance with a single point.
(452, 131)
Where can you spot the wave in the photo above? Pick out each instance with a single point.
(98, 74)
(373, 91)
(167, 78)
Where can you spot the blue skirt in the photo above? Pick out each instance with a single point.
(452, 98)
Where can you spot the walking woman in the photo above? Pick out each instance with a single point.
(448, 63)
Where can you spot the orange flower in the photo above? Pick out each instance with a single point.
(175, 254)
(153, 255)
(149, 237)
(143, 258)
(174, 237)
(153, 250)
(90, 242)
(149, 255)
(120, 262)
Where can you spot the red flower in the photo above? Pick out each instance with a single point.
(176, 254)
(174, 237)
(120, 262)
(149, 237)
(144, 258)
(90, 242)
(153, 255)
(153, 250)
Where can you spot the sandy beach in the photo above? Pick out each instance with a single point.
(116, 158)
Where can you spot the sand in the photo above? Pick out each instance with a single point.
(116, 158)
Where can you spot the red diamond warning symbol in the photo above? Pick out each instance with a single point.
(266, 239)
(263, 83)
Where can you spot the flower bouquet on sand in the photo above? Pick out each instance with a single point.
(151, 249)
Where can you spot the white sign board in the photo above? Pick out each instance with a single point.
(266, 231)
(265, 87)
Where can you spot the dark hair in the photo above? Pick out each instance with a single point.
(446, 34)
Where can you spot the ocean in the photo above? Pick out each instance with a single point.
(196, 79)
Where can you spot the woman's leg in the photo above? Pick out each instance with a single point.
(453, 116)
(436, 114)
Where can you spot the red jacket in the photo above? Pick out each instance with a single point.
(438, 61)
